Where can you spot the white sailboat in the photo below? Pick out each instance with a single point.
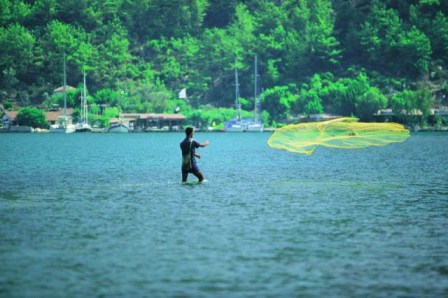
(64, 123)
(247, 125)
(235, 125)
(255, 125)
(83, 125)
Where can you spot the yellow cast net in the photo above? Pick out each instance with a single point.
(344, 133)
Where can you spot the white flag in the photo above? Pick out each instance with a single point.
(183, 93)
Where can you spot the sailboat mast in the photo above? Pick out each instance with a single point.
(65, 89)
(237, 95)
(84, 101)
(256, 89)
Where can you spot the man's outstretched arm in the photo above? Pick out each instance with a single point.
(204, 144)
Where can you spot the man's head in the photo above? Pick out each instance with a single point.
(189, 131)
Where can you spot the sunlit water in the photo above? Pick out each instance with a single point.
(105, 215)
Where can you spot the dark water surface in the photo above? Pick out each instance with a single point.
(105, 215)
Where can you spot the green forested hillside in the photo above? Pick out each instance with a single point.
(343, 56)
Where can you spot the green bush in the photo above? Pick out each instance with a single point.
(32, 117)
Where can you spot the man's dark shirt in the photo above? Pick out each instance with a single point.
(185, 147)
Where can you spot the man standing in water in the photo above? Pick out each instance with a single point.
(188, 147)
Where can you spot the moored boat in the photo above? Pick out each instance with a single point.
(118, 128)
(248, 124)
(83, 125)
(255, 125)
(64, 123)
(235, 125)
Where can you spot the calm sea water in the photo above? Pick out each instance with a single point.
(105, 215)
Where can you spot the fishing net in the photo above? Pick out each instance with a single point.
(344, 133)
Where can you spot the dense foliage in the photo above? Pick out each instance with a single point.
(32, 117)
(315, 56)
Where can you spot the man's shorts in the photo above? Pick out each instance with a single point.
(193, 169)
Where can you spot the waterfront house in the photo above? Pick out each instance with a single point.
(61, 89)
(154, 122)
(9, 119)
(317, 117)
(52, 116)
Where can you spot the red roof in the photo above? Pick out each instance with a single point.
(11, 114)
(53, 116)
(49, 116)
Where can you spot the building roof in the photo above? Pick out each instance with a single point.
(154, 116)
(54, 115)
(385, 112)
(49, 115)
(61, 89)
(318, 117)
(12, 115)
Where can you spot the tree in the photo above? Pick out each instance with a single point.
(153, 19)
(313, 104)
(219, 13)
(115, 63)
(439, 36)
(310, 97)
(274, 40)
(86, 14)
(32, 117)
(346, 94)
(13, 11)
(75, 43)
(7, 105)
(42, 12)
(369, 103)
(278, 101)
(109, 112)
(322, 45)
(379, 35)
(431, 19)
(17, 61)
(414, 50)
(386, 42)
(58, 98)
(217, 61)
(424, 100)
(61, 37)
(409, 104)
(17, 45)
(175, 59)
(299, 34)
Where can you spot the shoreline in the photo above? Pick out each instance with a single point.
(272, 130)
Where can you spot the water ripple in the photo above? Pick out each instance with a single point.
(114, 219)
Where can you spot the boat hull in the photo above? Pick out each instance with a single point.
(234, 128)
(62, 129)
(255, 127)
(84, 127)
(119, 128)
(246, 125)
